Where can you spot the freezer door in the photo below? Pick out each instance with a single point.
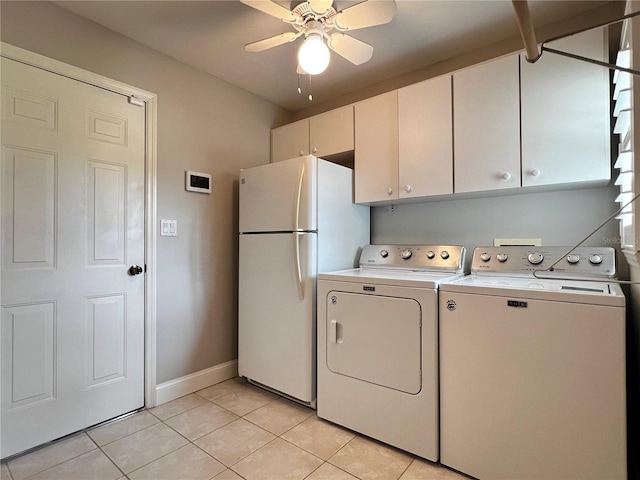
(279, 197)
(276, 312)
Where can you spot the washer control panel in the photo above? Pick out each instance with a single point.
(559, 261)
(414, 257)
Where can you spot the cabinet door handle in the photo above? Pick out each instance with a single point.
(535, 172)
(389, 191)
(315, 150)
(506, 176)
(407, 188)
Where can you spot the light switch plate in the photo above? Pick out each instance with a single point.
(168, 228)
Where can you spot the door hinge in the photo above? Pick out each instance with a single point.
(136, 101)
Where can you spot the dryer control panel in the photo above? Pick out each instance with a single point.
(448, 258)
(580, 262)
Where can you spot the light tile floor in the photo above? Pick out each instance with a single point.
(228, 431)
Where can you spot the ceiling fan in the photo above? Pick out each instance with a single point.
(315, 19)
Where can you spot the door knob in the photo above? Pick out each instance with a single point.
(135, 270)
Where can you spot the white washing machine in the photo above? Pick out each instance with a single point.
(532, 371)
(378, 344)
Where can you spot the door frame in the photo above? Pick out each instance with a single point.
(151, 104)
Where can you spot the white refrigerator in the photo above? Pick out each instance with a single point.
(297, 218)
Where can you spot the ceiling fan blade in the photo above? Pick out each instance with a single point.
(271, 8)
(354, 50)
(366, 14)
(320, 6)
(271, 42)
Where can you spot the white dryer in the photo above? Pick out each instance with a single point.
(532, 371)
(378, 344)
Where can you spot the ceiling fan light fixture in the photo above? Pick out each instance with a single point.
(313, 56)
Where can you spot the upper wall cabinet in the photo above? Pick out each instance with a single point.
(376, 149)
(425, 163)
(331, 132)
(486, 125)
(323, 135)
(290, 141)
(565, 114)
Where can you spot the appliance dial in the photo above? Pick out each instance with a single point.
(535, 258)
(485, 257)
(502, 257)
(444, 254)
(406, 254)
(573, 258)
(384, 253)
(595, 259)
(430, 254)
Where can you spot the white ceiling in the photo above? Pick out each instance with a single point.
(210, 36)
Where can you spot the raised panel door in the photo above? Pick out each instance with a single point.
(72, 224)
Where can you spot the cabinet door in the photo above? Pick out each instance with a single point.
(290, 141)
(425, 138)
(486, 126)
(565, 114)
(376, 149)
(331, 132)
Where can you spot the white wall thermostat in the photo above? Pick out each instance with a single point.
(198, 182)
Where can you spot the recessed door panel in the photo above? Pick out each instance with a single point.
(29, 354)
(29, 199)
(375, 339)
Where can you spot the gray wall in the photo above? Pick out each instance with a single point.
(204, 124)
(558, 218)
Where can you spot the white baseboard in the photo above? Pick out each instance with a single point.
(167, 391)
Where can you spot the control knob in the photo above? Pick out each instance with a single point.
(573, 258)
(384, 253)
(444, 254)
(406, 254)
(485, 257)
(535, 258)
(595, 259)
(502, 257)
(431, 254)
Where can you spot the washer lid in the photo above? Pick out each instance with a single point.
(574, 291)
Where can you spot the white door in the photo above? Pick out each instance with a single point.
(376, 148)
(276, 312)
(565, 113)
(425, 136)
(72, 224)
(279, 197)
(486, 126)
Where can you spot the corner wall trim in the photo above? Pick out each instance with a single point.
(182, 386)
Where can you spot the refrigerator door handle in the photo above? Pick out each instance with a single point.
(296, 213)
(296, 254)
